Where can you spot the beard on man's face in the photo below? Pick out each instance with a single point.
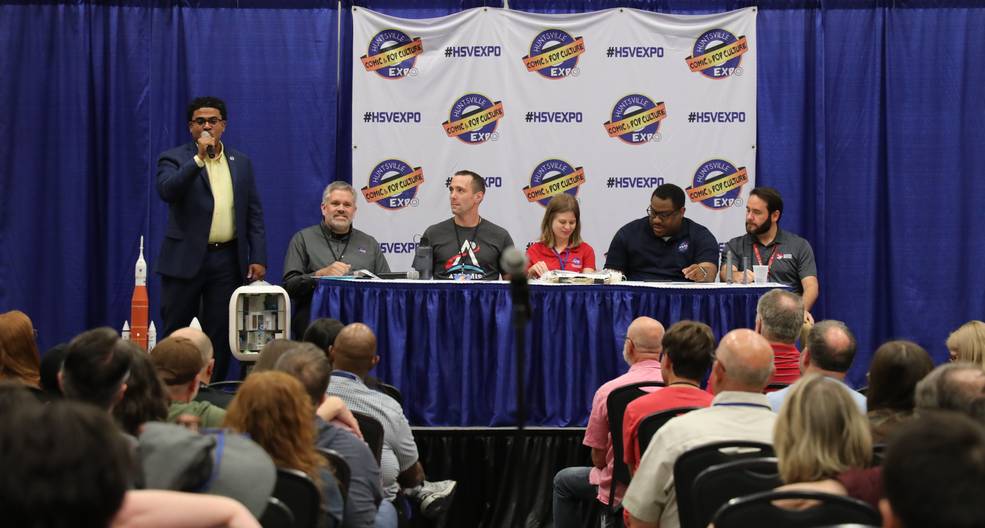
(752, 230)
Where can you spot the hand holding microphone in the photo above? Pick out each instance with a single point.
(206, 140)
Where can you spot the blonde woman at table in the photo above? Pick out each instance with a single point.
(560, 246)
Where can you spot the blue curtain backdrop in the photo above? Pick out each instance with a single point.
(869, 124)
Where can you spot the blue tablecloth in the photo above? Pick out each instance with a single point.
(449, 346)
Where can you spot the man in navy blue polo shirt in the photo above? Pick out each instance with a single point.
(664, 246)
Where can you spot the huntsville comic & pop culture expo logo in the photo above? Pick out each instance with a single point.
(473, 119)
(554, 54)
(392, 54)
(393, 184)
(717, 54)
(635, 119)
(717, 183)
(552, 177)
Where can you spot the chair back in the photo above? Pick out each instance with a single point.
(276, 515)
(391, 391)
(652, 423)
(721, 483)
(691, 463)
(300, 494)
(340, 468)
(615, 406)
(773, 387)
(372, 431)
(758, 510)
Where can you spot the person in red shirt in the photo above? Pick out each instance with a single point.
(779, 318)
(560, 246)
(688, 348)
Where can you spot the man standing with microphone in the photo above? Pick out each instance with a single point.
(215, 238)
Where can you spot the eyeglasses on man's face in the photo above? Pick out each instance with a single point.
(663, 215)
(200, 121)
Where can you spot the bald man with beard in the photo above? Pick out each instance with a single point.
(742, 369)
(353, 355)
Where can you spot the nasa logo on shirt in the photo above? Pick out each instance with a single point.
(576, 262)
(682, 247)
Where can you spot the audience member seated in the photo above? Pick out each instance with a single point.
(96, 368)
(743, 367)
(951, 387)
(829, 351)
(934, 473)
(967, 343)
(779, 318)
(641, 351)
(51, 364)
(271, 352)
(14, 395)
(896, 368)
(202, 342)
(364, 505)
(322, 333)
(167, 509)
(820, 431)
(179, 364)
(19, 358)
(145, 399)
(273, 408)
(353, 356)
(64, 464)
(688, 352)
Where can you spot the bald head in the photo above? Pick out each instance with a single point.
(744, 362)
(198, 338)
(644, 339)
(355, 349)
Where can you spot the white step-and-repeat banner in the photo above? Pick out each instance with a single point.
(605, 106)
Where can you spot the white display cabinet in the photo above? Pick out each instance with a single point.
(258, 313)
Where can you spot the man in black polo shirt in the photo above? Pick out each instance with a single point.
(664, 246)
(789, 257)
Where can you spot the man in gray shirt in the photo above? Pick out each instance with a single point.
(466, 246)
(331, 248)
(790, 258)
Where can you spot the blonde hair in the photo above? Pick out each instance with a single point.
(560, 203)
(820, 431)
(968, 342)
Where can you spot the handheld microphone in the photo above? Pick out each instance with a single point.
(209, 150)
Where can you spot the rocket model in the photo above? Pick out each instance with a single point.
(138, 303)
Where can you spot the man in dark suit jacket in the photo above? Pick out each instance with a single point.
(215, 238)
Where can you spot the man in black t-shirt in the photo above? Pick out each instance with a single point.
(664, 246)
(466, 246)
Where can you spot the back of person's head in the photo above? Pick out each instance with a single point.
(19, 358)
(177, 360)
(644, 340)
(355, 349)
(896, 368)
(51, 364)
(743, 362)
(831, 346)
(690, 348)
(274, 409)
(64, 464)
(967, 343)
(309, 365)
(145, 399)
(781, 314)
(934, 473)
(820, 431)
(951, 387)
(198, 338)
(322, 333)
(271, 352)
(96, 367)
